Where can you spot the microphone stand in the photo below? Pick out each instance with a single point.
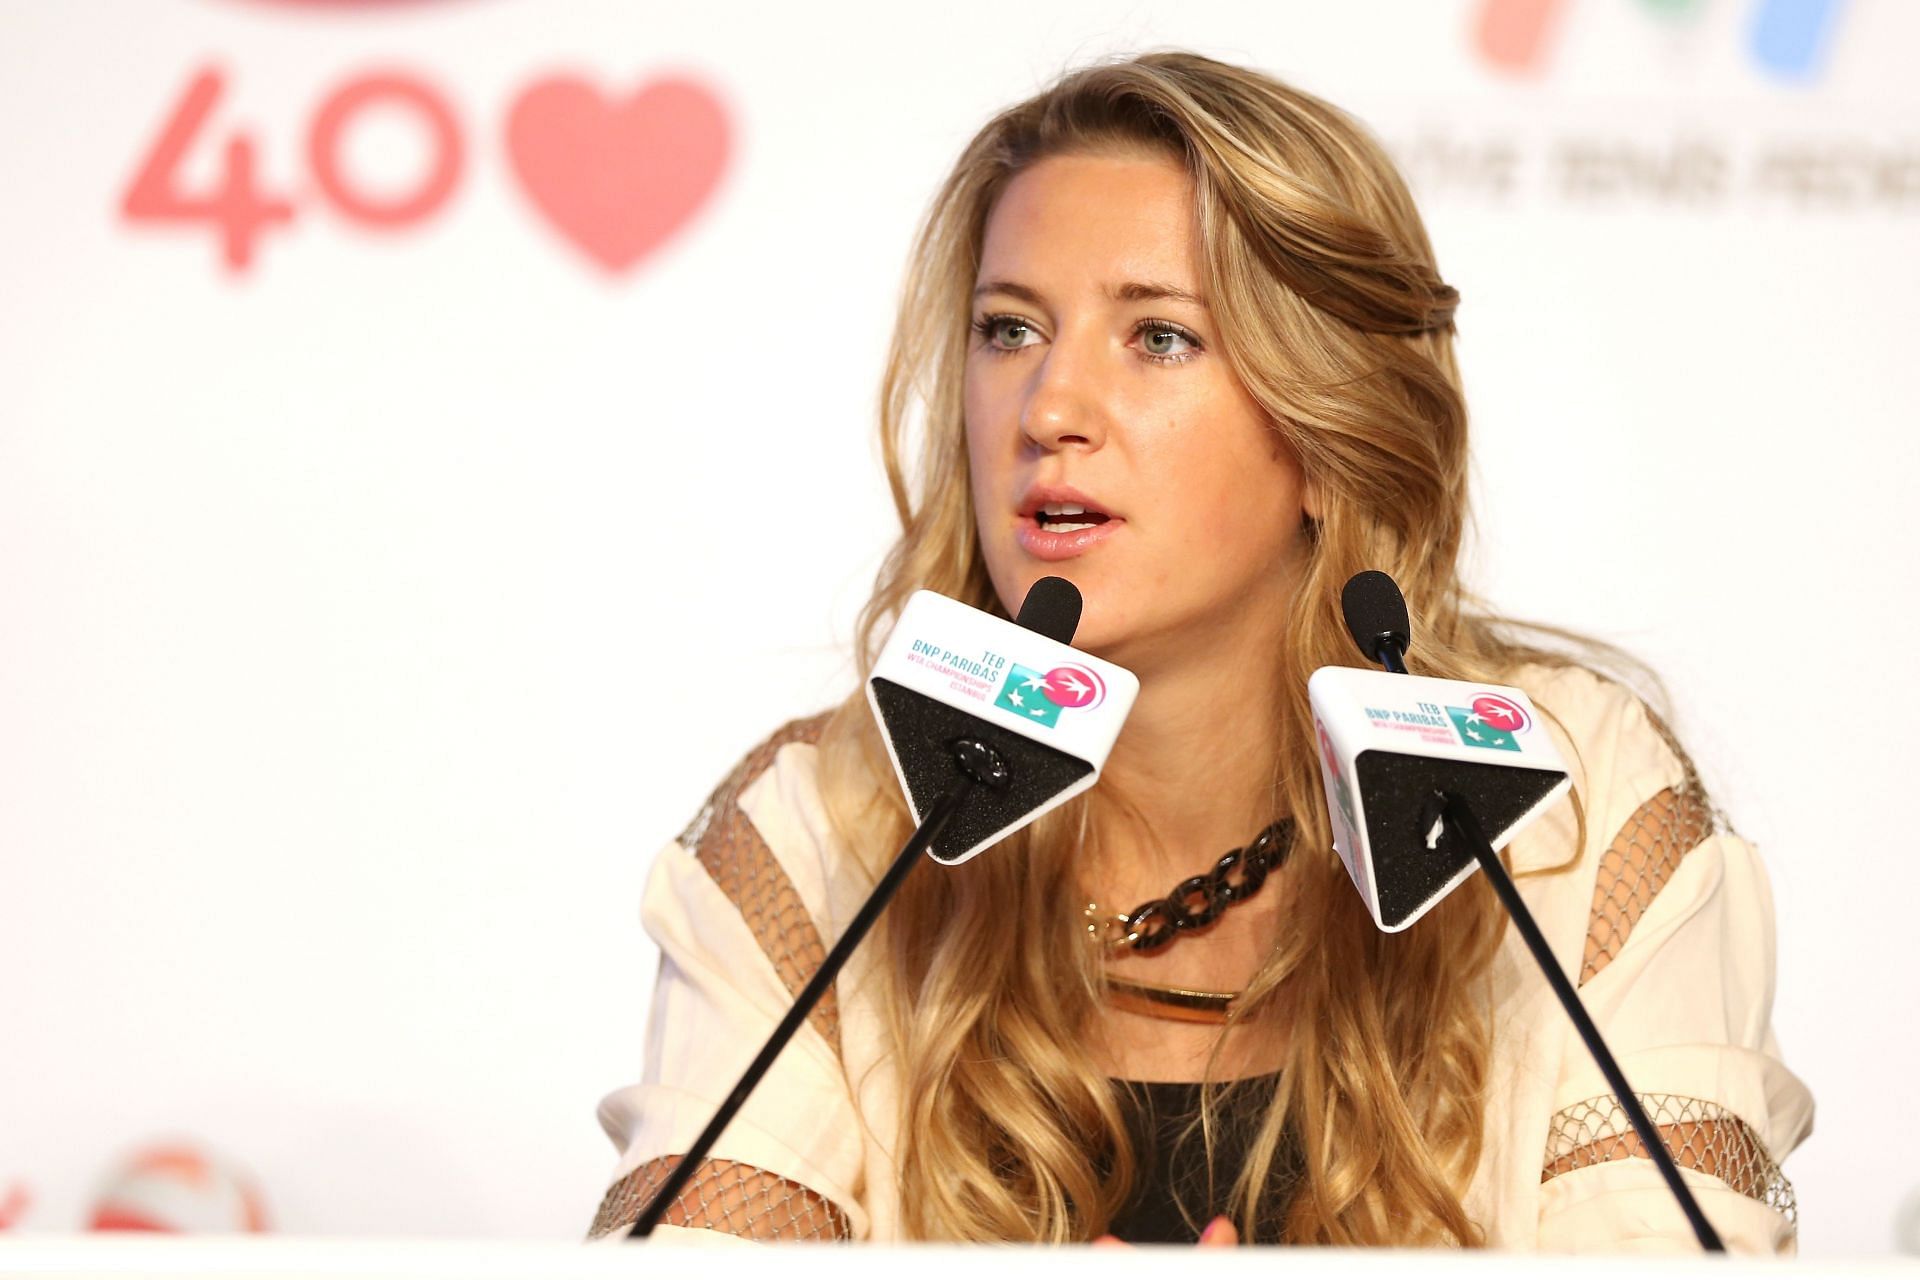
(1460, 819)
(980, 765)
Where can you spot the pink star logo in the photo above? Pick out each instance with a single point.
(1074, 686)
(1501, 713)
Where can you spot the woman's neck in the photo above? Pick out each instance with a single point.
(1192, 774)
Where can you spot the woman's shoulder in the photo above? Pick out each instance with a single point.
(757, 856)
(767, 841)
(777, 774)
(1593, 709)
(1642, 815)
(1619, 750)
(765, 825)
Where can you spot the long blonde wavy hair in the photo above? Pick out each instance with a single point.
(1332, 313)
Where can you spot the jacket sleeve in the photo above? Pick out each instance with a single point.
(737, 941)
(1678, 973)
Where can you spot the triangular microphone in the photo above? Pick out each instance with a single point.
(1391, 744)
(952, 673)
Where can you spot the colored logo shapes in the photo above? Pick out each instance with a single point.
(1040, 696)
(1501, 713)
(1025, 694)
(1476, 730)
(1787, 39)
(1074, 686)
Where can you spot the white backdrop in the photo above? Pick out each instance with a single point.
(379, 591)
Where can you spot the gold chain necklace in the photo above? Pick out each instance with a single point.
(1195, 903)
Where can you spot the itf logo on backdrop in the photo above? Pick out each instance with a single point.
(1041, 696)
(1786, 38)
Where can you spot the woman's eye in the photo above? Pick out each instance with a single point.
(1165, 343)
(1004, 333)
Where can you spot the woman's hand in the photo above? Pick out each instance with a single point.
(1219, 1232)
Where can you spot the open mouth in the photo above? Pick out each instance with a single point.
(1069, 517)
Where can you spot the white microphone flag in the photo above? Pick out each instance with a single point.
(1389, 744)
(950, 670)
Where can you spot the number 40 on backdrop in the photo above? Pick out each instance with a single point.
(616, 178)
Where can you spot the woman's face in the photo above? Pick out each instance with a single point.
(1095, 380)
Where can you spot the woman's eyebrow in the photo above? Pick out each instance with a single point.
(1029, 296)
(1131, 291)
(1150, 291)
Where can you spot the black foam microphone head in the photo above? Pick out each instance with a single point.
(1052, 608)
(1375, 610)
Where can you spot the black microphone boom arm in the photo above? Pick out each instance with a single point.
(938, 815)
(1459, 817)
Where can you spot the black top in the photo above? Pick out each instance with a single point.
(1170, 1202)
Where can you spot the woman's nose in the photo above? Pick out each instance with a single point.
(1064, 407)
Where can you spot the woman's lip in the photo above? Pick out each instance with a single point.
(1044, 544)
(1050, 494)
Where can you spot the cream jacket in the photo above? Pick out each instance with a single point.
(1665, 914)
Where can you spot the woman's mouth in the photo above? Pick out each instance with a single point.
(1069, 517)
(1062, 530)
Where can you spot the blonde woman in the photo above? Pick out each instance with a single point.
(1174, 330)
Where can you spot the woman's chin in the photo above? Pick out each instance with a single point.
(1106, 637)
(1109, 624)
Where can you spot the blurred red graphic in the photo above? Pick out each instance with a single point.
(618, 178)
(14, 1205)
(175, 1187)
(1514, 34)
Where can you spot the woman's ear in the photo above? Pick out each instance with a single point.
(1310, 501)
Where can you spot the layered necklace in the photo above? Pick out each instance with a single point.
(1194, 903)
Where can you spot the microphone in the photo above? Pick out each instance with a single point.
(1045, 711)
(1389, 744)
(989, 724)
(1418, 772)
(1052, 608)
(1376, 615)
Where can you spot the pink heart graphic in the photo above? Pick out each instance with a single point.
(618, 178)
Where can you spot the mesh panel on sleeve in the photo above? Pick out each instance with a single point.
(724, 1195)
(725, 842)
(1701, 1135)
(1642, 858)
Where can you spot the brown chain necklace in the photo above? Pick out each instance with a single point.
(1195, 902)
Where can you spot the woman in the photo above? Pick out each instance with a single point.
(1174, 331)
